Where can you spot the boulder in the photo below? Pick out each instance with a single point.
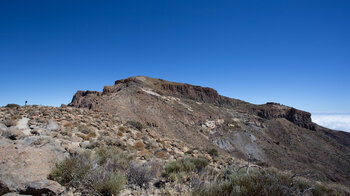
(42, 187)
(20, 163)
(52, 125)
(3, 188)
(3, 128)
(12, 133)
(22, 125)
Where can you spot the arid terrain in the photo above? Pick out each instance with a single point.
(175, 138)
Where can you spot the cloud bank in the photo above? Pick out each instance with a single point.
(333, 121)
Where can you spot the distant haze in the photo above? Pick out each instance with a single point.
(333, 121)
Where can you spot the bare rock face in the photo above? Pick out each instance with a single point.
(21, 163)
(85, 99)
(273, 111)
(281, 136)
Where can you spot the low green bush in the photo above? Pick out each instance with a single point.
(71, 171)
(263, 182)
(99, 173)
(111, 185)
(113, 155)
(186, 165)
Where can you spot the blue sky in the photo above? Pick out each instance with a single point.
(294, 52)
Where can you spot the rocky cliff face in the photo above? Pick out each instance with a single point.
(89, 99)
(274, 111)
(85, 99)
(278, 135)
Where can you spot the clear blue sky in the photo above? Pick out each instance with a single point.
(295, 52)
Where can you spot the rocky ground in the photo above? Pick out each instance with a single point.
(145, 136)
(35, 138)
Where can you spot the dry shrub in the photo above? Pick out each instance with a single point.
(122, 129)
(104, 133)
(68, 124)
(85, 129)
(120, 134)
(162, 142)
(138, 135)
(155, 168)
(162, 155)
(139, 145)
(142, 174)
(92, 134)
(71, 171)
(120, 159)
(136, 124)
(66, 132)
(145, 152)
(100, 173)
(138, 174)
(83, 136)
(213, 152)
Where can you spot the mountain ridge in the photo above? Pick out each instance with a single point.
(279, 135)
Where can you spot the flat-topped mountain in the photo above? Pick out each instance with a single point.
(273, 134)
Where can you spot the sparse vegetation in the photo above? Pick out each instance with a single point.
(189, 152)
(139, 145)
(120, 134)
(67, 124)
(122, 129)
(136, 125)
(85, 129)
(186, 165)
(112, 184)
(83, 136)
(261, 182)
(99, 173)
(213, 152)
(138, 135)
(92, 134)
(139, 174)
(119, 158)
(105, 167)
(261, 164)
(161, 154)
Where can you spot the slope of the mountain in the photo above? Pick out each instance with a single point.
(278, 135)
